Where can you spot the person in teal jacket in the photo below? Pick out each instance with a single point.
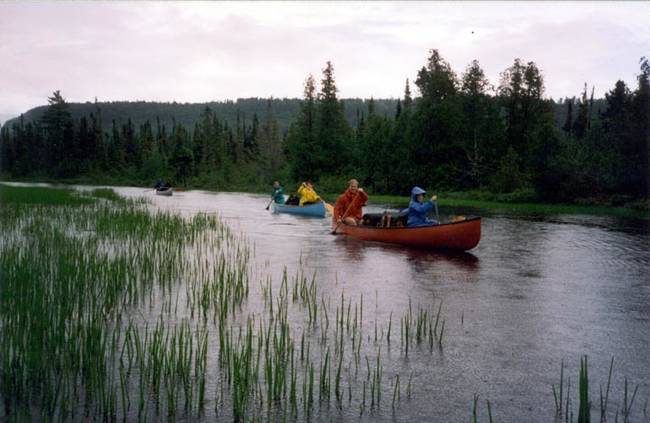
(277, 194)
(418, 209)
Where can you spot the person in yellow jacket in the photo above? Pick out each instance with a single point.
(307, 193)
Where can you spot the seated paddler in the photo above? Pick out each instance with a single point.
(277, 194)
(418, 209)
(349, 206)
(307, 193)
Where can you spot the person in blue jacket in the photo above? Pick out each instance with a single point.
(277, 194)
(418, 209)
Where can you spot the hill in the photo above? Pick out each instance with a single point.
(284, 111)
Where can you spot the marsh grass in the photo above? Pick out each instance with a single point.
(13, 196)
(109, 311)
(564, 404)
(107, 194)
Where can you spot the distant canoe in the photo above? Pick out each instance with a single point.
(458, 236)
(165, 191)
(313, 210)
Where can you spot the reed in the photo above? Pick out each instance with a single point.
(627, 401)
(604, 401)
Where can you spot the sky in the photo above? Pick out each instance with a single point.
(211, 51)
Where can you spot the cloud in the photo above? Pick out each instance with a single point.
(201, 51)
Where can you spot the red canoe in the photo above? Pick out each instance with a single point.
(460, 236)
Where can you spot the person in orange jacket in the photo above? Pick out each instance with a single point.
(349, 206)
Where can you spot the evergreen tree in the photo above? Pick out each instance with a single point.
(581, 123)
(568, 124)
(521, 90)
(271, 157)
(116, 150)
(302, 148)
(181, 159)
(332, 131)
(408, 100)
(480, 139)
(637, 153)
(57, 126)
(435, 146)
(251, 141)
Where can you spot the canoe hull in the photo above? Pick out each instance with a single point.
(312, 210)
(457, 236)
(167, 192)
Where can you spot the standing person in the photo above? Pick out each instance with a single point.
(351, 201)
(307, 193)
(277, 194)
(418, 209)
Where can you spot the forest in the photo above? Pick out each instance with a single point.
(448, 132)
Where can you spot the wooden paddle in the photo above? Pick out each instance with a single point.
(346, 213)
(434, 199)
(269, 205)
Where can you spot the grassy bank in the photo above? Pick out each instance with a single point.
(519, 208)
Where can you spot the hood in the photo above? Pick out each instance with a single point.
(416, 191)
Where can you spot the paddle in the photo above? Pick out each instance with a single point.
(346, 213)
(434, 199)
(269, 205)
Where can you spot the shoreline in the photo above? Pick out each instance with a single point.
(455, 199)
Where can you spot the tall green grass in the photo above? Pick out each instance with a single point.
(12, 195)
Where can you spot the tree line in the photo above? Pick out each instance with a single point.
(447, 132)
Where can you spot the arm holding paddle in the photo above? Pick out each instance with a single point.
(434, 200)
(277, 194)
(348, 208)
(418, 208)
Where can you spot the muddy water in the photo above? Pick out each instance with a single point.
(537, 290)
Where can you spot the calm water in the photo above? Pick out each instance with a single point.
(536, 291)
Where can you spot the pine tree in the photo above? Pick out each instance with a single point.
(333, 132)
(408, 100)
(57, 126)
(301, 145)
(568, 123)
(521, 90)
(581, 123)
(477, 134)
(435, 147)
(271, 158)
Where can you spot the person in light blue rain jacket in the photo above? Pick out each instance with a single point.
(418, 209)
(277, 194)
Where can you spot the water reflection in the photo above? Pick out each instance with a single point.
(356, 250)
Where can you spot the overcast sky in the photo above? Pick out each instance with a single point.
(195, 52)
